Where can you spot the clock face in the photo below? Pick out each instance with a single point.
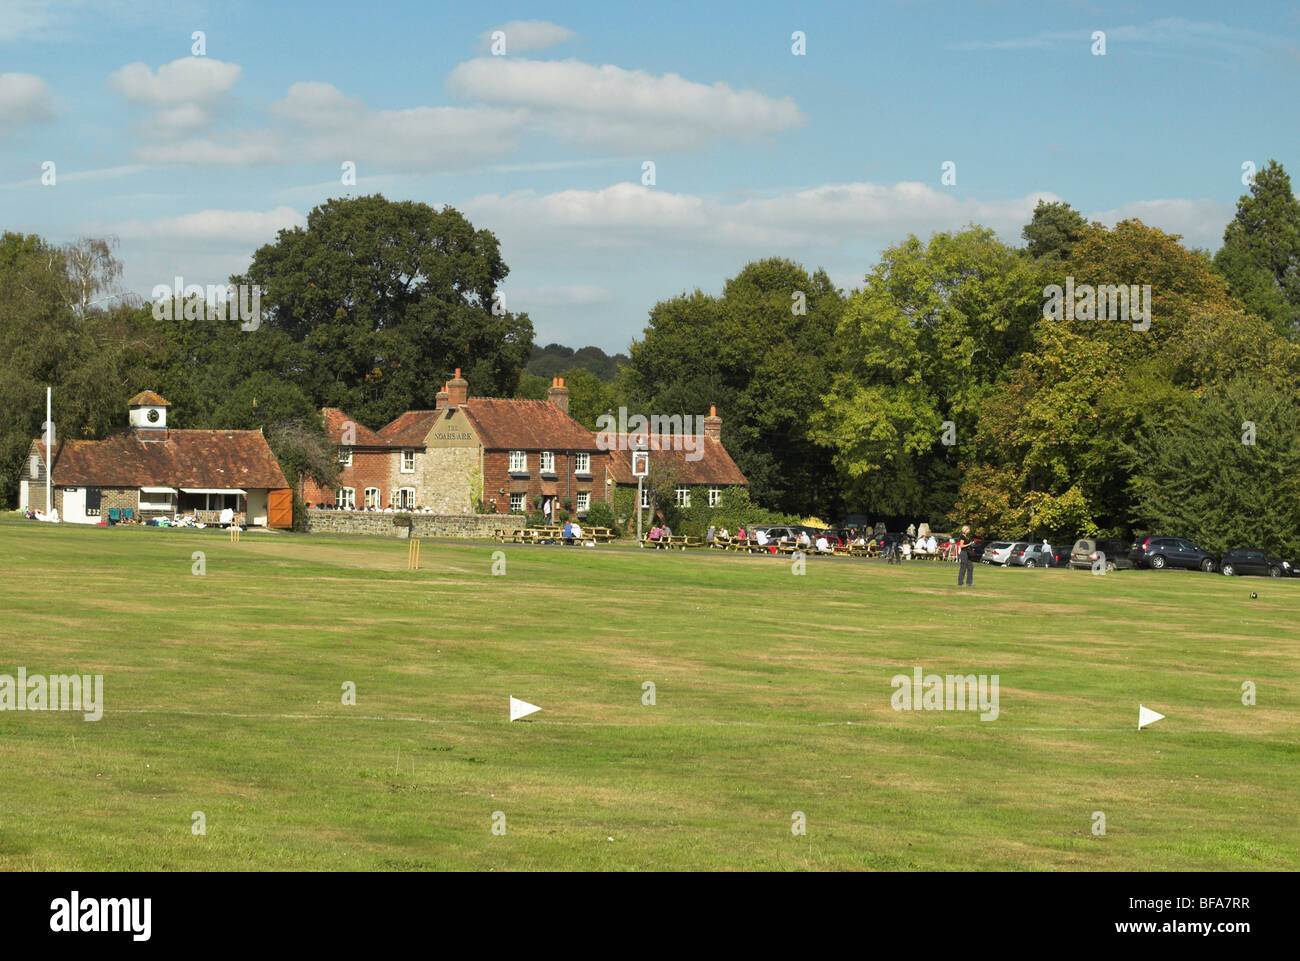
(153, 416)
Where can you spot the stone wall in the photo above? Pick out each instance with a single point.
(421, 525)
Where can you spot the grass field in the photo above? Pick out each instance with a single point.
(223, 694)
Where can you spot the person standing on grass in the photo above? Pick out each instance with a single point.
(965, 565)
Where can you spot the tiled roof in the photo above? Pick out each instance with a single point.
(410, 429)
(335, 422)
(500, 424)
(714, 466)
(147, 398)
(526, 425)
(188, 458)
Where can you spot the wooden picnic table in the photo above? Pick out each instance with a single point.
(680, 541)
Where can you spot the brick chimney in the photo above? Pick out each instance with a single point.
(713, 424)
(444, 396)
(558, 394)
(457, 390)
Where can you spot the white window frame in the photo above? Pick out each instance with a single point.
(584, 501)
(147, 503)
(582, 462)
(519, 462)
(405, 499)
(715, 495)
(522, 503)
(547, 465)
(345, 456)
(682, 496)
(376, 502)
(408, 454)
(346, 498)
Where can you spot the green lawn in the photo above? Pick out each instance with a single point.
(223, 695)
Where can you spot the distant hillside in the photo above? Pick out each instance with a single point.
(554, 359)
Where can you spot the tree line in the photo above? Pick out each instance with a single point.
(936, 390)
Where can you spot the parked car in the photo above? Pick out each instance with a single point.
(1061, 555)
(977, 548)
(999, 552)
(1088, 550)
(1254, 560)
(1159, 553)
(1030, 555)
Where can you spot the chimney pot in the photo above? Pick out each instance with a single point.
(558, 394)
(457, 390)
(713, 424)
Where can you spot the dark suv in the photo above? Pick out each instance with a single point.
(1253, 560)
(1159, 553)
(1088, 550)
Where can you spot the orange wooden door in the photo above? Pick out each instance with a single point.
(279, 508)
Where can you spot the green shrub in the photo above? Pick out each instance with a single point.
(601, 514)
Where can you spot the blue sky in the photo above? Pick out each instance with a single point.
(826, 158)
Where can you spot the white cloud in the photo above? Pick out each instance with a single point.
(1199, 222)
(330, 126)
(244, 229)
(24, 98)
(1170, 34)
(183, 81)
(627, 215)
(183, 95)
(608, 107)
(524, 35)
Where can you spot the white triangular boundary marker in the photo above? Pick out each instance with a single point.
(520, 708)
(1147, 716)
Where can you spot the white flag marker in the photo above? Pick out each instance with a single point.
(520, 708)
(1147, 716)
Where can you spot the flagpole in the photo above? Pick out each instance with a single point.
(49, 448)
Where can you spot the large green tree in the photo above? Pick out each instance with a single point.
(763, 353)
(385, 298)
(1226, 471)
(1260, 256)
(924, 342)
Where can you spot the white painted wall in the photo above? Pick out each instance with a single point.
(256, 502)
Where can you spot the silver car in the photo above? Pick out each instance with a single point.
(999, 552)
(1030, 555)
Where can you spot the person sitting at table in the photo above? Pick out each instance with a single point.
(724, 535)
(907, 549)
(823, 545)
(804, 540)
(567, 533)
(655, 534)
(931, 545)
(577, 530)
(710, 535)
(740, 534)
(760, 536)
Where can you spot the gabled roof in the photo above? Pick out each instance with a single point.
(526, 425)
(714, 465)
(147, 398)
(336, 422)
(187, 458)
(410, 429)
(501, 424)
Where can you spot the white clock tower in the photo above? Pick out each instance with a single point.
(148, 415)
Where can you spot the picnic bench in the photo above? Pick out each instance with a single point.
(679, 541)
